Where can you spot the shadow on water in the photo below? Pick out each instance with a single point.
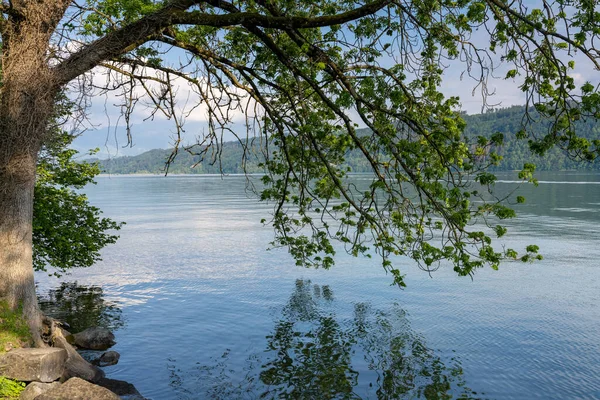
(81, 307)
(314, 353)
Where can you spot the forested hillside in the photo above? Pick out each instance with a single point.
(232, 159)
(515, 152)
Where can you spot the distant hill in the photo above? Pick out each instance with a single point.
(231, 158)
(516, 152)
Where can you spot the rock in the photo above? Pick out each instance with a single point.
(95, 338)
(78, 389)
(44, 365)
(79, 368)
(34, 389)
(75, 365)
(109, 358)
(122, 388)
(66, 333)
(49, 325)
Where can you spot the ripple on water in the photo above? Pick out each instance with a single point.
(201, 303)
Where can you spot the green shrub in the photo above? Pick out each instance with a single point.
(10, 389)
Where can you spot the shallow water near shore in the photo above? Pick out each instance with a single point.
(201, 310)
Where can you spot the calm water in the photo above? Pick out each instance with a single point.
(201, 310)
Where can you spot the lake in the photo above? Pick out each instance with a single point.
(200, 309)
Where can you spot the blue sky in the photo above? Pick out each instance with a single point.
(106, 129)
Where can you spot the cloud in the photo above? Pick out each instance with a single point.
(151, 128)
(109, 94)
(191, 98)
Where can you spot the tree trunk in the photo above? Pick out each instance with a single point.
(24, 113)
(27, 95)
(17, 181)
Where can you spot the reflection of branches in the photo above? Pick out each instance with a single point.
(314, 353)
(309, 365)
(81, 307)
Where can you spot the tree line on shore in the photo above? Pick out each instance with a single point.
(230, 159)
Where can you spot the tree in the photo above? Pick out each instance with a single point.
(68, 232)
(304, 73)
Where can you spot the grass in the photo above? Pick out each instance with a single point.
(14, 331)
(14, 334)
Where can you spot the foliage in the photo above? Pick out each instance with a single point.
(10, 389)
(315, 69)
(305, 74)
(514, 150)
(14, 331)
(68, 232)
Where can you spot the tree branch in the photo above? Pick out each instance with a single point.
(277, 22)
(135, 34)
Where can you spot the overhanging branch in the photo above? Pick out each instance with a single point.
(137, 33)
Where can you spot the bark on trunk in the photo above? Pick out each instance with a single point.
(27, 95)
(17, 288)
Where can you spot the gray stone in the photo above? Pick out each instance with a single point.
(78, 389)
(75, 365)
(109, 358)
(95, 338)
(122, 388)
(79, 368)
(43, 365)
(34, 389)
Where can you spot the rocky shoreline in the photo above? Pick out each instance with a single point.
(60, 372)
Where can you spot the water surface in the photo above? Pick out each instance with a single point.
(201, 310)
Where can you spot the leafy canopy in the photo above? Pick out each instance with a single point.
(68, 231)
(307, 74)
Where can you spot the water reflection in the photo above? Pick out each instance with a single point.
(317, 352)
(81, 306)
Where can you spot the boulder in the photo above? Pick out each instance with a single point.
(94, 338)
(108, 358)
(78, 389)
(124, 389)
(79, 368)
(76, 366)
(43, 365)
(34, 389)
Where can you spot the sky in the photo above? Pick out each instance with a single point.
(105, 127)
